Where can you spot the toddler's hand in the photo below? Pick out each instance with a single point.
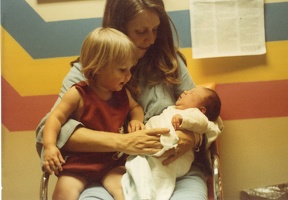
(176, 121)
(135, 125)
(53, 160)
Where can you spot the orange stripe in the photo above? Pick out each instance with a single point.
(254, 100)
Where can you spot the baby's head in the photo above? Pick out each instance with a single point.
(205, 99)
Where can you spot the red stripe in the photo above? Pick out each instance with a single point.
(254, 100)
(23, 113)
(239, 101)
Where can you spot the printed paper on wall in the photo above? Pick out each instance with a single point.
(227, 28)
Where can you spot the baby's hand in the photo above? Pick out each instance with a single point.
(176, 121)
(53, 160)
(135, 125)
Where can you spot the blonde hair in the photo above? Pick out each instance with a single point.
(105, 47)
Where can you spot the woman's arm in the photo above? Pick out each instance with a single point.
(75, 137)
(140, 142)
(187, 139)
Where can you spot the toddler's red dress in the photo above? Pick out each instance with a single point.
(99, 115)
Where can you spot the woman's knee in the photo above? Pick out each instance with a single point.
(190, 187)
(94, 192)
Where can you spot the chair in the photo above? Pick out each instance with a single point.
(211, 166)
(213, 182)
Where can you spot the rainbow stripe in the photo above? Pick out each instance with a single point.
(36, 55)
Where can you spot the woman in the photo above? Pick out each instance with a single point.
(160, 75)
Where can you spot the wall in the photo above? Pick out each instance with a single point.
(40, 38)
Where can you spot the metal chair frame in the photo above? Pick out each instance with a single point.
(217, 183)
(44, 186)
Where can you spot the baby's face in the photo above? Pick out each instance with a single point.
(192, 98)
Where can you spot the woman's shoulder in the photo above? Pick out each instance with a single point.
(182, 62)
(74, 75)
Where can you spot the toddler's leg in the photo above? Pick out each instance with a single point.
(112, 182)
(69, 186)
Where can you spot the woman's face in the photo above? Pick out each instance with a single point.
(142, 30)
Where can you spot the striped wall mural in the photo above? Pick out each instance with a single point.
(41, 37)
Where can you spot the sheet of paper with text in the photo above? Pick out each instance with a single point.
(227, 28)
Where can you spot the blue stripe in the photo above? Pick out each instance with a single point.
(276, 21)
(181, 20)
(41, 39)
(64, 38)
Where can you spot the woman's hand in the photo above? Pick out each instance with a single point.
(137, 143)
(186, 142)
(143, 141)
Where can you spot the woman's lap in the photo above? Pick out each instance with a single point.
(189, 187)
(192, 186)
(94, 192)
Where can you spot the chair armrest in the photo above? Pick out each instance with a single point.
(44, 186)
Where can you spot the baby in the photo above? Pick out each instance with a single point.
(146, 176)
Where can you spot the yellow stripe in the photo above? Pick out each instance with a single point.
(28, 76)
(271, 66)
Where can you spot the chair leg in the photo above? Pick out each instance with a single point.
(44, 186)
